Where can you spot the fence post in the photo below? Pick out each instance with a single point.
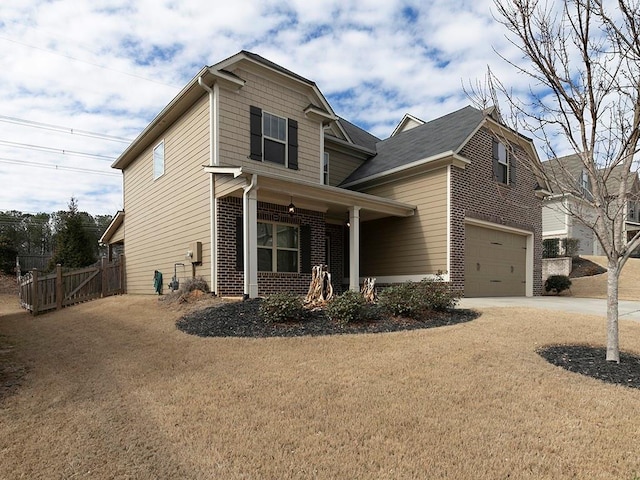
(103, 267)
(59, 287)
(34, 291)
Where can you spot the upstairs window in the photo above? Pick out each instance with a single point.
(504, 169)
(274, 130)
(274, 139)
(325, 169)
(584, 182)
(158, 160)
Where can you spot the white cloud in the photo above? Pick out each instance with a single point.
(111, 66)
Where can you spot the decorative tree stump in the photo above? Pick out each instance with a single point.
(369, 290)
(320, 289)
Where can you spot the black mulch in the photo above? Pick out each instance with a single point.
(581, 267)
(591, 361)
(241, 319)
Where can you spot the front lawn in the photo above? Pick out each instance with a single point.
(114, 390)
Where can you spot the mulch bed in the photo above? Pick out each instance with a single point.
(581, 267)
(591, 361)
(242, 319)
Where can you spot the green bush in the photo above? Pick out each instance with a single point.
(282, 307)
(8, 255)
(401, 300)
(347, 308)
(414, 299)
(557, 283)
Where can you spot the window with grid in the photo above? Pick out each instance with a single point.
(278, 247)
(158, 160)
(274, 130)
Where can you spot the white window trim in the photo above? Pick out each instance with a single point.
(274, 246)
(325, 168)
(153, 159)
(285, 142)
(504, 161)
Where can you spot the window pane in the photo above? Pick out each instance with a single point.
(274, 151)
(287, 261)
(502, 153)
(287, 236)
(503, 174)
(158, 160)
(266, 124)
(265, 234)
(265, 260)
(282, 129)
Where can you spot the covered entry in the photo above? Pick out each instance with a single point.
(495, 262)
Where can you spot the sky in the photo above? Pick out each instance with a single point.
(80, 79)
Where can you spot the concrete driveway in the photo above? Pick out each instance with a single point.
(627, 309)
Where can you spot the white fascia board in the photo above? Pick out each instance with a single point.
(235, 171)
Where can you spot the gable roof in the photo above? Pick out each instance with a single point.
(445, 134)
(407, 123)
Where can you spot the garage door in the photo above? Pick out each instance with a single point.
(495, 263)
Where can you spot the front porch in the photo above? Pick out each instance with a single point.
(270, 231)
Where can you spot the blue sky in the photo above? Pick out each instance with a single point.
(110, 66)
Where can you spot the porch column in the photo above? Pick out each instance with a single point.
(354, 248)
(250, 243)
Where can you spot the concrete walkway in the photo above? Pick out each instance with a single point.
(629, 310)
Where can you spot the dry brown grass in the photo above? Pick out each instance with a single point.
(115, 391)
(596, 285)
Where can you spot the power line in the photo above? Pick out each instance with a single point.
(57, 167)
(55, 150)
(58, 128)
(84, 61)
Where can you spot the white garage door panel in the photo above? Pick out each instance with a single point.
(495, 263)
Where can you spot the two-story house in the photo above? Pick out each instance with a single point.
(248, 178)
(567, 211)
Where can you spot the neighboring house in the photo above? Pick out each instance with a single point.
(248, 178)
(564, 210)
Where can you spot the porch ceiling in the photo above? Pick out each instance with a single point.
(333, 201)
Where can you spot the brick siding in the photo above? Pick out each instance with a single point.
(475, 194)
(231, 281)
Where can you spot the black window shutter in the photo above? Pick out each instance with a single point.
(255, 126)
(292, 135)
(496, 164)
(239, 245)
(305, 248)
(512, 169)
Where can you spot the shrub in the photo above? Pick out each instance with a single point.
(348, 307)
(414, 299)
(401, 300)
(557, 283)
(190, 284)
(8, 255)
(282, 307)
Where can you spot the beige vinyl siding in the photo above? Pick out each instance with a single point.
(165, 215)
(118, 235)
(226, 185)
(554, 218)
(278, 97)
(414, 245)
(341, 166)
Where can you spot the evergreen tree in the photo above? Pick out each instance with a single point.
(75, 243)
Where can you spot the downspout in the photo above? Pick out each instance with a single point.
(245, 236)
(214, 159)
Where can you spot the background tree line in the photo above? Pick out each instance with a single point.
(69, 236)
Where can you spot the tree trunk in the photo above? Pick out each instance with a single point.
(613, 347)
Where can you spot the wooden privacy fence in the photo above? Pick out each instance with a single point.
(41, 293)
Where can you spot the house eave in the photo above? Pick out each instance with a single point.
(117, 220)
(313, 193)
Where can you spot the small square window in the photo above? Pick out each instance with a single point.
(158, 160)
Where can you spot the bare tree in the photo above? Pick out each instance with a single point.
(583, 61)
